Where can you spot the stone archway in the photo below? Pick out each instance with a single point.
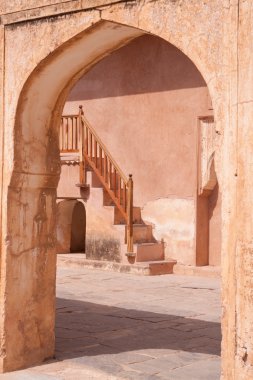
(29, 253)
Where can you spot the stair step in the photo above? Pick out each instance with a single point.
(95, 179)
(118, 218)
(107, 200)
(95, 182)
(150, 252)
(142, 233)
(157, 268)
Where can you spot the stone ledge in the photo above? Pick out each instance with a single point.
(204, 271)
(57, 9)
(150, 268)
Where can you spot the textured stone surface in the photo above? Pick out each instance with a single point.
(216, 36)
(165, 327)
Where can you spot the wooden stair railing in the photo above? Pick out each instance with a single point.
(78, 136)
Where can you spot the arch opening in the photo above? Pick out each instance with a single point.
(34, 181)
(143, 100)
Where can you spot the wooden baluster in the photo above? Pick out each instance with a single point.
(70, 134)
(64, 138)
(110, 174)
(124, 197)
(105, 168)
(91, 144)
(100, 160)
(130, 246)
(82, 171)
(64, 131)
(96, 153)
(115, 182)
(119, 188)
(77, 134)
(60, 136)
(74, 134)
(67, 135)
(87, 140)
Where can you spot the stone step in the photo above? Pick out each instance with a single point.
(151, 268)
(118, 218)
(160, 267)
(149, 252)
(142, 233)
(96, 182)
(107, 200)
(203, 271)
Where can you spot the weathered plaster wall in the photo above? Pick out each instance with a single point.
(18, 5)
(68, 180)
(35, 9)
(63, 227)
(144, 101)
(214, 211)
(104, 240)
(174, 221)
(208, 33)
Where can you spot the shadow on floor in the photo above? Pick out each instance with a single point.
(88, 329)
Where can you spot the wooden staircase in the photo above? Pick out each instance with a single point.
(77, 137)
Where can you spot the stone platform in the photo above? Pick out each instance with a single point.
(147, 268)
(150, 268)
(204, 271)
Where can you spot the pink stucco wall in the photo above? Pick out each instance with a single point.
(144, 100)
(215, 227)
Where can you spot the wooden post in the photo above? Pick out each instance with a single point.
(130, 246)
(82, 145)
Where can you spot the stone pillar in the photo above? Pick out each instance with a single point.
(1, 164)
(229, 184)
(244, 246)
(237, 260)
(28, 273)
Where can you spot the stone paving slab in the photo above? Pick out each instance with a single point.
(111, 326)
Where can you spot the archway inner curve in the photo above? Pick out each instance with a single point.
(32, 194)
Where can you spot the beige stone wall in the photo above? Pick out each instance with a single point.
(42, 5)
(216, 35)
(244, 152)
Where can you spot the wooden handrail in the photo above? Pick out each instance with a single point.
(130, 214)
(102, 145)
(77, 135)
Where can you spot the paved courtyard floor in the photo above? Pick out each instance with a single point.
(117, 326)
